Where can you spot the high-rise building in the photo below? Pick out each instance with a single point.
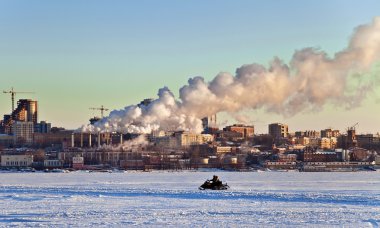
(26, 111)
(278, 130)
(23, 132)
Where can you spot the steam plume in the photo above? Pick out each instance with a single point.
(311, 80)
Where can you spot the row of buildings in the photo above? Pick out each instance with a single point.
(233, 147)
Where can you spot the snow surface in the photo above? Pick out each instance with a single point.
(172, 199)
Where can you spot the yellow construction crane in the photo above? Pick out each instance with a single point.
(102, 109)
(13, 93)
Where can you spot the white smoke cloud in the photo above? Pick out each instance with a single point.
(164, 113)
(311, 80)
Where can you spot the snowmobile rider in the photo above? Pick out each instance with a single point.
(215, 180)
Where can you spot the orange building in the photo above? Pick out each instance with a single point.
(246, 131)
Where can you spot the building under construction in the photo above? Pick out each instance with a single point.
(26, 111)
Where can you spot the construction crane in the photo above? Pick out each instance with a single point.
(353, 127)
(13, 93)
(102, 109)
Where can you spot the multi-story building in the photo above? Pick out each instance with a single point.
(53, 163)
(6, 140)
(209, 122)
(368, 141)
(230, 136)
(16, 160)
(278, 130)
(324, 143)
(23, 132)
(310, 134)
(246, 131)
(320, 156)
(329, 132)
(47, 139)
(26, 111)
(185, 139)
(42, 127)
(305, 141)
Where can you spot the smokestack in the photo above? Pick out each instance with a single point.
(89, 140)
(98, 139)
(81, 140)
(72, 140)
(121, 138)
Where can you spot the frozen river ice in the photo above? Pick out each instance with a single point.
(256, 199)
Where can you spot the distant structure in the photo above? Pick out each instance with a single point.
(351, 136)
(209, 123)
(310, 134)
(42, 127)
(26, 111)
(101, 109)
(329, 132)
(23, 132)
(95, 119)
(278, 131)
(13, 94)
(246, 131)
(350, 139)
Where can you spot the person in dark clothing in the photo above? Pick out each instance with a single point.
(215, 180)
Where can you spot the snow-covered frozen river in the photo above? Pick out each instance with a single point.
(256, 199)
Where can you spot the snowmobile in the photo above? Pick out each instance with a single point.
(209, 184)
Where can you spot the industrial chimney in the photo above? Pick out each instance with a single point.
(98, 139)
(72, 140)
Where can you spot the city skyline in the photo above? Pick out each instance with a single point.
(115, 59)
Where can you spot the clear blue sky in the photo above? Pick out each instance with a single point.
(76, 54)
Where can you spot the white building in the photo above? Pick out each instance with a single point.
(16, 160)
(53, 163)
(187, 139)
(183, 139)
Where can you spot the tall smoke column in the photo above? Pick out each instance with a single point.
(311, 80)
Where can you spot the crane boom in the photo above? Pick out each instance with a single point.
(13, 94)
(101, 109)
(352, 127)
